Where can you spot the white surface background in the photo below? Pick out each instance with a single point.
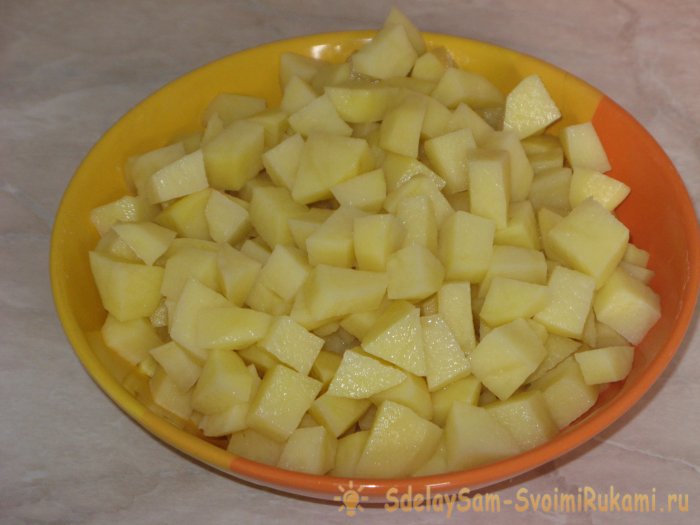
(69, 69)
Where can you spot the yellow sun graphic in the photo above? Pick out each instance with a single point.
(351, 499)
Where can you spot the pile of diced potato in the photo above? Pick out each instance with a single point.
(392, 274)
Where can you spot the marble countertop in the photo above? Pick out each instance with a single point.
(69, 69)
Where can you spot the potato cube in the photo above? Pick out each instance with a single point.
(234, 156)
(281, 401)
(635, 255)
(399, 442)
(375, 238)
(400, 130)
(228, 421)
(275, 124)
(270, 210)
(455, 306)
(638, 272)
(508, 354)
(567, 395)
(131, 339)
(411, 392)
(182, 177)
(365, 192)
(529, 107)
(558, 348)
(325, 366)
(521, 229)
(319, 116)
(445, 361)
(292, 344)
(255, 446)
(332, 243)
(546, 160)
(605, 365)
(399, 169)
(521, 172)
(140, 168)
(396, 17)
(327, 160)
(338, 414)
(465, 390)
(285, 271)
(550, 189)
(526, 416)
(590, 239)
(183, 326)
(228, 221)
(516, 263)
(260, 358)
(329, 75)
(168, 396)
(125, 209)
(187, 215)
(466, 246)
(332, 291)
(389, 54)
(310, 450)
(489, 185)
(570, 298)
(437, 116)
(583, 148)
(396, 337)
(587, 183)
(282, 161)
(449, 154)
(236, 274)
(114, 247)
(231, 106)
(348, 453)
(294, 64)
(413, 273)
(358, 324)
(457, 85)
(128, 291)
(230, 327)
(419, 221)
(361, 101)
(474, 437)
(420, 185)
(465, 117)
(509, 299)
(178, 364)
(148, 240)
(186, 264)
(432, 64)
(224, 381)
(360, 376)
(263, 299)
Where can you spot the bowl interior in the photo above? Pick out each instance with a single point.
(658, 212)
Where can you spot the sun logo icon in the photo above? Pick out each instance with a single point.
(351, 499)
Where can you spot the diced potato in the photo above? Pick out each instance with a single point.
(310, 450)
(399, 442)
(236, 274)
(396, 337)
(489, 185)
(365, 192)
(282, 161)
(224, 381)
(445, 361)
(583, 148)
(529, 107)
(327, 160)
(213, 127)
(281, 401)
(474, 437)
(338, 414)
(255, 446)
(226, 422)
(128, 291)
(231, 106)
(228, 221)
(131, 339)
(263, 299)
(319, 116)
(431, 65)
(182, 177)
(455, 306)
(400, 130)
(570, 298)
(270, 209)
(546, 160)
(521, 229)
(187, 216)
(638, 272)
(558, 348)
(348, 453)
(167, 395)
(550, 189)
(399, 169)
(587, 183)
(521, 172)
(258, 357)
(186, 264)
(567, 395)
(140, 168)
(305, 225)
(605, 365)
(389, 54)
(508, 354)
(420, 185)
(358, 324)
(230, 327)
(465, 117)
(114, 247)
(148, 240)
(292, 344)
(178, 364)
(125, 209)
(411, 392)
(413, 273)
(419, 221)
(516, 263)
(332, 243)
(360, 376)
(325, 366)
(375, 238)
(436, 119)
(635, 255)
(256, 249)
(361, 101)
(465, 390)
(274, 123)
(235, 155)
(457, 85)
(332, 291)
(293, 64)
(449, 155)
(396, 17)
(509, 299)
(330, 75)
(526, 416)
(465, 246)
(285, 271)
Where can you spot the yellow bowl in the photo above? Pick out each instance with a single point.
(669, 232)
